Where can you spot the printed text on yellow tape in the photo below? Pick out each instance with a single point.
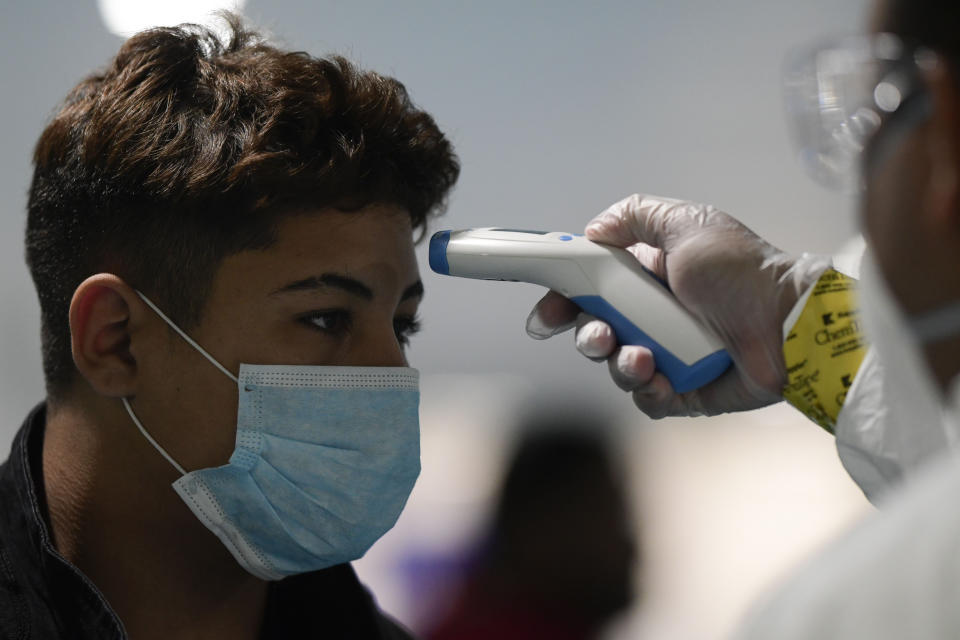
(824, 348)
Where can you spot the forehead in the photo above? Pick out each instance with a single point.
(373, 231)
(373, 245)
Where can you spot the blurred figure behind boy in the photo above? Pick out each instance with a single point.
(558, 558)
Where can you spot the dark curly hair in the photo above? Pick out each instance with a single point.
(190, 147)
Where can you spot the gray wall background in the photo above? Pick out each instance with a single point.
(556, 108)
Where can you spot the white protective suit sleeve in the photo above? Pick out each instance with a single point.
(892, 422)
(884, 432)
(892, 577)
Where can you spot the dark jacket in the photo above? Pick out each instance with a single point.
(42, 596)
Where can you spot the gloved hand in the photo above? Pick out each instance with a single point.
(735, 283)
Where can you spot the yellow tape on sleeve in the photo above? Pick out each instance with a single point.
(824, 348)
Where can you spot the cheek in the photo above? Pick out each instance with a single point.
(889, 216)
(188, 406)
(878, 212)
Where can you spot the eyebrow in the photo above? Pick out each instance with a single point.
(345, 283)
(413, 291)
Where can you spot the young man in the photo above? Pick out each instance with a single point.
(220, 234)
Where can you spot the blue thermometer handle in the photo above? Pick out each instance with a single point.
(683, 377)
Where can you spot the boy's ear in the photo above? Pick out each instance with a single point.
(100, 334)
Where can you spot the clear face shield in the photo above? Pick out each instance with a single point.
(840, 93)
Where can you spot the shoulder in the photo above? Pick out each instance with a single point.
(16, 598)
(893, 576)
(23, 611)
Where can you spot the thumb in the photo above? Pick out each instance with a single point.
(638, 218)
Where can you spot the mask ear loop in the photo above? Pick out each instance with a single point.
(189, 340)
(136, 421)
(192, 343)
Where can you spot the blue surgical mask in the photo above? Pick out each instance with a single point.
(324, 461)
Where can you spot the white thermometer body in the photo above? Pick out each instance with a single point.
(604, 281)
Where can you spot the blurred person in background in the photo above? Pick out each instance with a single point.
(557, 560)
(885, 106)
(221, 238)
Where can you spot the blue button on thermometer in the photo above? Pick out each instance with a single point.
(604, 281)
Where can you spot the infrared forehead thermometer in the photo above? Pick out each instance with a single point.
(604, 281)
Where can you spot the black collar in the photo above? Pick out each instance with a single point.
(36, 568)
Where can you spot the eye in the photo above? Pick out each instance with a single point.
(333, 322)
(405, 327)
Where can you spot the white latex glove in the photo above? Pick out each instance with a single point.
(735, 283)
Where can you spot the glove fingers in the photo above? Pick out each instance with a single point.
(553, 314)
(657, 398)
(594, 338)
(651, 258)
(631, 367)
(637, 218)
